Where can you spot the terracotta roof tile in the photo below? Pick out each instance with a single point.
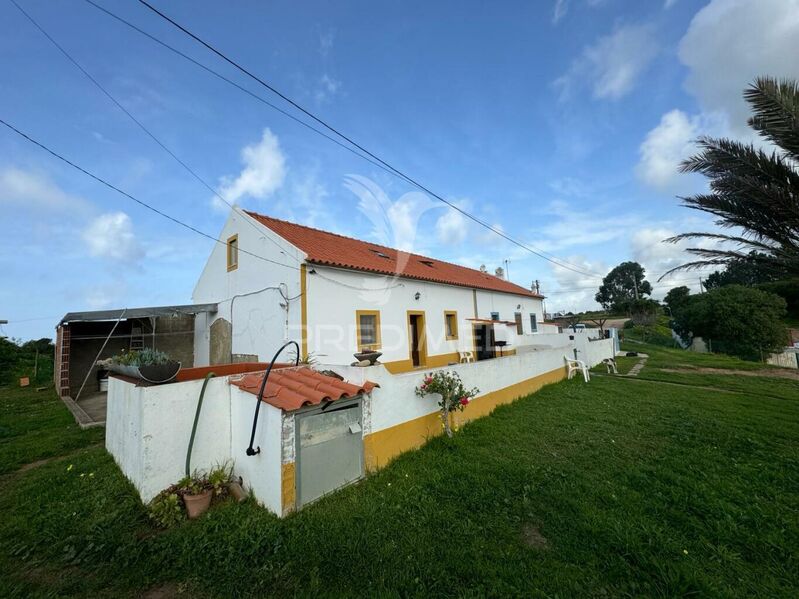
(291, 388)
(331, 249)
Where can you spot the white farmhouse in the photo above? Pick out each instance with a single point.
(277, 281)
(304, 431)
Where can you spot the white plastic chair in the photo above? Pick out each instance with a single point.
(610, 364)
(465, 356)
(573, 366)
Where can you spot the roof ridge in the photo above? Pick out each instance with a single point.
(258, 215)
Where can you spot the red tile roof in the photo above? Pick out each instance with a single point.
(291, 388)
(331, 249)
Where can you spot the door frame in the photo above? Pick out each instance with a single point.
(474, 340)
(333, 406)
(422, 338)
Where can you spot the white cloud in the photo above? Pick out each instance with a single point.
(566, 226)
(451, 228)
(326, 41)
(666, 146)
(309, 195)
(669, 3)
(264, 171)
(730, 42)
(111, 236)
(35, 191)
(328, 87)
(559, 10)
(574, 291)
(612, 66)
(394, 224)
(647, 248)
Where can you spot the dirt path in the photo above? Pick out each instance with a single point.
(778, 373)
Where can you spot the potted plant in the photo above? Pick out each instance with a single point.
(197, 494)
(451, 392)
(147, 364)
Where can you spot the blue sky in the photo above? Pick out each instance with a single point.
(560, 122)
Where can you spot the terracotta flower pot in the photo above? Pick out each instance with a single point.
(196, 505)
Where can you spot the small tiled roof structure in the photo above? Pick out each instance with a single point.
(291, 388)
(325, 248)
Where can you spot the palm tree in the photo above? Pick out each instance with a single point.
(751, 191)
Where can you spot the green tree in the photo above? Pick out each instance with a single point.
(676, 298)
(748, 272)
(751, 190)
(738, 320)
(622, 285)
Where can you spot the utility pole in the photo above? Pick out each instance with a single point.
(635, 284)
(701, 286)
(2, 322)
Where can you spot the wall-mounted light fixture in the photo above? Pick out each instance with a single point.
(417, 295)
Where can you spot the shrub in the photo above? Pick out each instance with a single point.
(166, 508)
(739, 321)
(143, 357)
(452, 394)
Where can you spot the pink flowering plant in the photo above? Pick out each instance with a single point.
(451, 392)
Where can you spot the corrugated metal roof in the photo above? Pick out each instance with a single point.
(125, 313)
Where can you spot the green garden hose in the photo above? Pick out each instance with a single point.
(208, 377)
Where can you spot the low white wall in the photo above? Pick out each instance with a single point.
(148, 430)
(262, 472)
(786, 359)
(395, 401)
(594, 351)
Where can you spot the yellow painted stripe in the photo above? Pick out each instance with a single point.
(400, 366)
(383, 446)
(288, 487)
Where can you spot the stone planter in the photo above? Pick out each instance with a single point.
(152, 373)
(197, 505)
(371, 356)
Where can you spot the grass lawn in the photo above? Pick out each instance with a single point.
(618, 487)
(693, 370)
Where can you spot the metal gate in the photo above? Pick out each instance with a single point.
(329, 449)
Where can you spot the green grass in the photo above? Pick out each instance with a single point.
(623, 365)
(34, 425)
(639, 488)
(662, 359)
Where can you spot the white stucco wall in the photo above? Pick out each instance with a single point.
(395, 401)
(148, 430)
(262, 472)
(334, 296)
(260, 323)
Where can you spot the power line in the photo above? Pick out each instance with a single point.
(129, 196)
(229, 81)
(382, 164)
(145, 129)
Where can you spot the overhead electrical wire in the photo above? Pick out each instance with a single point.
(135, 199)
(370, 157)
(141, 126)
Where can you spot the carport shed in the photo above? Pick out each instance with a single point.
(82, 338)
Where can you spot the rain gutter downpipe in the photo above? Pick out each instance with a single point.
(250, 450)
